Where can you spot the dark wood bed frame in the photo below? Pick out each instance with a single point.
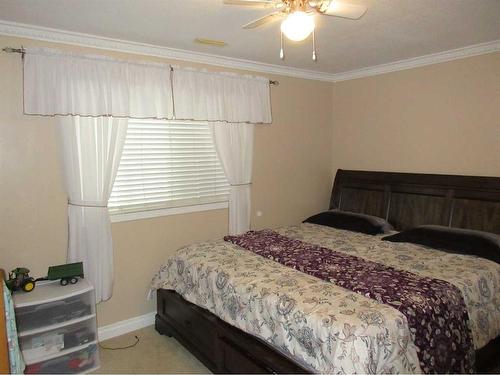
(405, 199)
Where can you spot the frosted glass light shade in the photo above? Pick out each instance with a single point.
(298, 26)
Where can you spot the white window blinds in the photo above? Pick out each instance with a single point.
(167, 164)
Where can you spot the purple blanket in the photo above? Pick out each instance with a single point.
(435, 309)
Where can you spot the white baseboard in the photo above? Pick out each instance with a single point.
(125, 326)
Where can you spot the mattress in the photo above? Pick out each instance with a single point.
(319, 324)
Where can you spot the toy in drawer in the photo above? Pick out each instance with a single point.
(83, 360)
(39, 346)
(33, 317)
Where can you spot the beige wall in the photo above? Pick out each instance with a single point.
(442, 118)
(292, 179)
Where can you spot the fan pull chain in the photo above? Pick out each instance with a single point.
(282, 52)
(314, 46)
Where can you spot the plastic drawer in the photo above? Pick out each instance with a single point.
(38, 346)
(42, 315)
(83, 360)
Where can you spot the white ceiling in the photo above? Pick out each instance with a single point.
(391, 30)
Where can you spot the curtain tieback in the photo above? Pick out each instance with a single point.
(87, 204)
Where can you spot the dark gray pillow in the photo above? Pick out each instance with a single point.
(351, 221)
(456, 240)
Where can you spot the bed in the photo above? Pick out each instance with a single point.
(240, 312)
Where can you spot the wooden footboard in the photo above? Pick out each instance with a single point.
(223, 348)
(219, 346)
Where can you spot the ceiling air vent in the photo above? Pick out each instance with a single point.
(211, 42)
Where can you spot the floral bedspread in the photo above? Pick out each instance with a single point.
(429, 305)
(321, 325)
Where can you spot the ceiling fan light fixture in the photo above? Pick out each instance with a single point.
(298, 26)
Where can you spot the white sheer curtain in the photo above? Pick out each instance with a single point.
(90, 150)
(107, 92)
(234, 145)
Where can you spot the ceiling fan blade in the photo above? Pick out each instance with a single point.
(264, 20)
(255, 3)
(340, 9)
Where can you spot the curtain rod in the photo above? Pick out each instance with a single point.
(13, 50)
(22, 52)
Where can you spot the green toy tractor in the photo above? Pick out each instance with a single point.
(19, 278)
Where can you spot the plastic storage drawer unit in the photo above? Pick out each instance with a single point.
(57, 328)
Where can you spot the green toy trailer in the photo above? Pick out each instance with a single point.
(19, 278)
(67, 273)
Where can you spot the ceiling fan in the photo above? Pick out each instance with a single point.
(297, 16)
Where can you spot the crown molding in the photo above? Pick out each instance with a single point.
(434, 58)
(86, 40)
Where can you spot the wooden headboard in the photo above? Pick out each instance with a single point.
(410, 199)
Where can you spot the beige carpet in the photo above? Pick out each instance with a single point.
(154, 354)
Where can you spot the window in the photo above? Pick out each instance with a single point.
(167, 164)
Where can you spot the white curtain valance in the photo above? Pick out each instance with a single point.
(59, 83)
(221, 97)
